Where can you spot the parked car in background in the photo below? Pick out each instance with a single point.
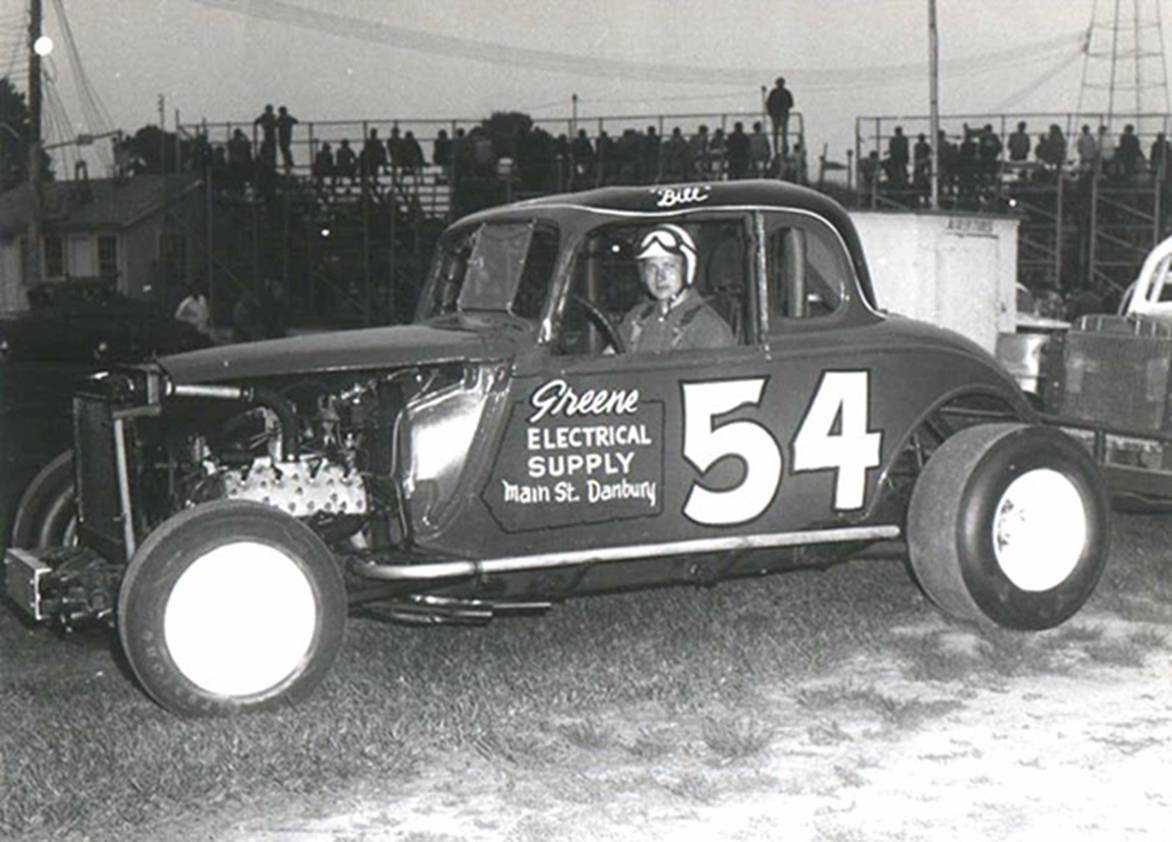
(71, 330)
(514, 447)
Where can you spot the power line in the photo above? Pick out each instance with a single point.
(454, 47)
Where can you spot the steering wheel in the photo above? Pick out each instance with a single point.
(601, 322)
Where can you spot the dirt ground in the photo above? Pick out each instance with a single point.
(1079, 751)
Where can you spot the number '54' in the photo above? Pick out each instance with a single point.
(842, 397)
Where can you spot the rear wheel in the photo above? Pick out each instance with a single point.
(231, 606)
(1008, 524)
(47, 513)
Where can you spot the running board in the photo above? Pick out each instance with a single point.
(464, 569)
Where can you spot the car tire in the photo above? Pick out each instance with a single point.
(46, 515)
(1009, 525)
(231, 606)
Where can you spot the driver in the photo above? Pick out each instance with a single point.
(678, 319)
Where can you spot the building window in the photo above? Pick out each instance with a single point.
(108, 256)
(54, 257)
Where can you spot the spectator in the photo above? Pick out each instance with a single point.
(897, 158)
(268, 145)
(247, 325)
(869, 173)
(239, 161)
(323, 165)
(1019, 144)
(967, 166)
(372, 158)
(285, 124)
(607, 163)
(441, 152)
(563, 155)
(483, 154)
(1052, 150)
(582, 154)
(194, 309)
(1159, 156)
(412, 156)
(948, 162)
(989, 152)
(629, 153)
(699, 154)
(737, 149)
(1130, 155)
(675, 156)
(1107, 151)
(717, 151)
(1088, 149)
(649, 156)
(461, 156)
(793, 167)
(345, 162)
(396, 153)
(922, 166)
(759, 151)
(779, 103)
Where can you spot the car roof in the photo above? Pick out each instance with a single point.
(765, 194)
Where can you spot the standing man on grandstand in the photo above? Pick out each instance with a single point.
(268, 143)
(285, 124)
(779, 103)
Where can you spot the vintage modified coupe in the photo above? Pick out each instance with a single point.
(508, 450)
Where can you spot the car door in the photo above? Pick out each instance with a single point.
(654, 448)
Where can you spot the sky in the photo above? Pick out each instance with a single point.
(222, 60)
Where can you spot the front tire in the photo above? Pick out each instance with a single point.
(231, 606)
(1008, 524)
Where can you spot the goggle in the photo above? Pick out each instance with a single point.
(661, 242)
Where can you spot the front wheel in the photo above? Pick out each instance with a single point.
(231, 606)
(1008, 524)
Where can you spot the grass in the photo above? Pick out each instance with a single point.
(84, 751)
(733, 738)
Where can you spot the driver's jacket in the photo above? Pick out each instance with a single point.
(690, 323)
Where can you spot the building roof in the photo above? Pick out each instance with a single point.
(100, 203)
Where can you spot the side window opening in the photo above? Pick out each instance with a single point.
(807, 273)
(607, 281)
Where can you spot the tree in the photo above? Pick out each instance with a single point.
(15, 125)
(152, 150)
(507, 128)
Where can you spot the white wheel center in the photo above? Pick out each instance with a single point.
(1039, 530)
(240, 620)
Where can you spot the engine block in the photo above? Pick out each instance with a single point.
(307, 486)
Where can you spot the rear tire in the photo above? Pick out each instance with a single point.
(231, 606)
(1008, 524)
(47, 513)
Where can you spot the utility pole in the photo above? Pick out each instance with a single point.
(934, 100)
(33, 263)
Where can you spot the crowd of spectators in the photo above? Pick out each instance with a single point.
(977, 168)
(531, 160)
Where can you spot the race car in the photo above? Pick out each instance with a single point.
(517, 445)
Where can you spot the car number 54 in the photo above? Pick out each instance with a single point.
(833, 435)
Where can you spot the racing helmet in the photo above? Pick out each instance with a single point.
(670, 240)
